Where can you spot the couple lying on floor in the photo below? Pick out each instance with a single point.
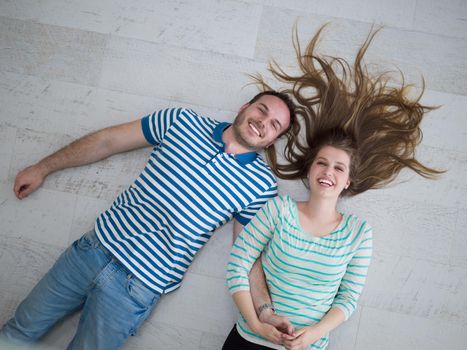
(307, 261)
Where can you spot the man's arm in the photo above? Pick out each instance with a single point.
(88, 149)
(260, 293)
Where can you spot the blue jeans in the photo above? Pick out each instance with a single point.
(114, 302)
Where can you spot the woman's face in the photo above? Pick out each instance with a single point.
(329, 172)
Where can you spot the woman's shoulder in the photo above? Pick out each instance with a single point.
(285, 201)
(280, 205)
(356, 224)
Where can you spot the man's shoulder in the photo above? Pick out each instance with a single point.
(265, 169)
(199, 121)
(189, 113)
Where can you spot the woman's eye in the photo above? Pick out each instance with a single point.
(339, 169)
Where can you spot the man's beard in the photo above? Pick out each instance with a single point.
(239, 137)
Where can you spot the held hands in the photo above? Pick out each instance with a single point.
(279, 330)
(269, 332)
(28, 180)
(300, 340)
(303, 338)
(281, 324)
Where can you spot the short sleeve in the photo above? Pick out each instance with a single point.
(155, 125)
(246, 214)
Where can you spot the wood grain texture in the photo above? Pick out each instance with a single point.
(68, 68)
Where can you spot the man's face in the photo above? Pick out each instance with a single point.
(259, 124)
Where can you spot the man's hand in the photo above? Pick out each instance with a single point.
(303, 338)
(282, 324)
(86, 150)
(28, 180)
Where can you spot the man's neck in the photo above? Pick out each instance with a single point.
(231, 144)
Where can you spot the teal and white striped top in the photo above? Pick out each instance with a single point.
(306, 275)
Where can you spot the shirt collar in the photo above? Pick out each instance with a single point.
(243, 158)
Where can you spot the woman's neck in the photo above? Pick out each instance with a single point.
(320, 209)
(318, 216)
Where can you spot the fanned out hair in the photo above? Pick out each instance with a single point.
(337, 105)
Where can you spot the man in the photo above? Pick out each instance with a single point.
(201, 173)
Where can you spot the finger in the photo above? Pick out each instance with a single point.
(293, 342)
(277, 336)
(300, 332)
(284, 325)
(288, 332)
(287, 337)
(17, 193)
(283, 328)
(25, 191)
(17, 187)
(291, 330)
(20, 194)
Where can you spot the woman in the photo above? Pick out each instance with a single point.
(359, 133)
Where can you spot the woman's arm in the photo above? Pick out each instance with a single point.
(258, 287)
(353, 281)
(245, 252)
(260, 295)
(248, 247)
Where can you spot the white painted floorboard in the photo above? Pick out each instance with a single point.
(70, 67)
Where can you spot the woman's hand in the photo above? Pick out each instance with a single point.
(281, 323)
(268, 332)
(303, 338)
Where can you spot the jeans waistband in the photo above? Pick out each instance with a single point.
(92, 236)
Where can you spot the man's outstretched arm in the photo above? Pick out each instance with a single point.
(260, 295)
(88, 149)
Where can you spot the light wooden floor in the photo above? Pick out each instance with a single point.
(71, 67)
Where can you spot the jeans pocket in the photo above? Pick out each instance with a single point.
(141, 295)
(86, 241)
(143, 299)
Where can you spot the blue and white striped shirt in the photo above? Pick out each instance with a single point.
(188, 188)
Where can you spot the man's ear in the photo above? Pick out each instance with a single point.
(244, 106)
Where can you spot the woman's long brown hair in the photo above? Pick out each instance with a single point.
(382, 120)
